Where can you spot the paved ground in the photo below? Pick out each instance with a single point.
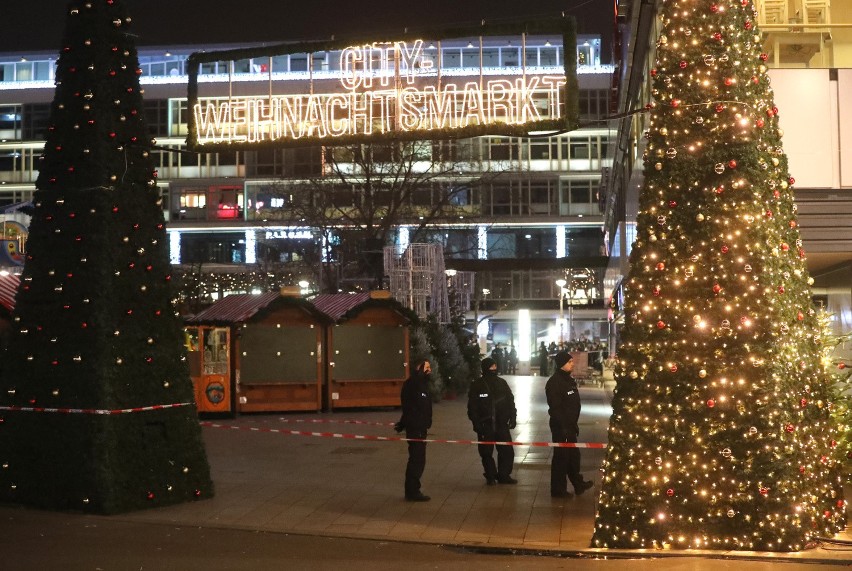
(321, 486)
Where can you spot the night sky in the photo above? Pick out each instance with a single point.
(37, 25)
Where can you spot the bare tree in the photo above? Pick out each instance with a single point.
(365, 193)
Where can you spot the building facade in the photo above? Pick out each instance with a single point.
(533, 217)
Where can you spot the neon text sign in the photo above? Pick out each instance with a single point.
(382, 91)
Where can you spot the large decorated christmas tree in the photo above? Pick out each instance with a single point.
(721, 435)
(96, 404)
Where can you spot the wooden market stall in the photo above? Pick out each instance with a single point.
(258, 353)
(368, 349)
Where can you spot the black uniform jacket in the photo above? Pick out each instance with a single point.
(416, 405)
(563, 402)
(490, 404)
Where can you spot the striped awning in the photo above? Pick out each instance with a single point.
(8, 289)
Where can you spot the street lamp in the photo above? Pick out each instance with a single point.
(561, 283)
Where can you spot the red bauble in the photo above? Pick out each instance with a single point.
(790, 428)
(800, 316)
(683, 64)
(150, 495)
(760, 123)
(717, 288)
(764, 491)
(656, 292)
(654, 73)
(670, 492)
(803, 403)
(711, 403)
(784, 246)
(841, 365)
(725, 249)
(781, 289)
(719, 108)
(748, 26)
(714, 8)
(791, 180)
(661, 325)
(764, 57)
(672, 203)
(729, 81)
(717, 36)
(661, 266)
(673, 368)
(732, 164)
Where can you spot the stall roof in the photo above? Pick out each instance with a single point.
(234, 308)
(239, 308)
(342, 306)
(8, 288)
(336, 305)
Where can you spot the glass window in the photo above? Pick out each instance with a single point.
(532, 57)
(42, 70)
(539, 149)
(470, 57)
(490, 57)
(579, 149)
(226, 248)
(451, 59)
(547, 56)
(510, 56)
(299, 62)
(583, 241)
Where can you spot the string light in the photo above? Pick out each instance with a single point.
(722, 434)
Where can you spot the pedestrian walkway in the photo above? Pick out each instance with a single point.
(343, 487)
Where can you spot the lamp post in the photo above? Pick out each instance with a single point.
(561, 283)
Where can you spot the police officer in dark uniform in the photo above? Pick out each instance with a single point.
(491, 409)
(563, 401)
(416, 420)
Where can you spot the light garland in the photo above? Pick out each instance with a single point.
(722, 435)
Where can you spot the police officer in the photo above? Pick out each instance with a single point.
(563, 401)
(491, 409)
(416, 420)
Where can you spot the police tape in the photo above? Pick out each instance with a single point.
(331, 421)
(371, 437)
(97, 411)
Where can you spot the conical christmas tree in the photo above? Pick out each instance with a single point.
(97, 404)
(721, 435)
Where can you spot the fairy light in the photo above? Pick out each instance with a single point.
(722, 434)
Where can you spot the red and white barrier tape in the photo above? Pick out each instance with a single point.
(92, 410)
(402, 439)
(331, 421)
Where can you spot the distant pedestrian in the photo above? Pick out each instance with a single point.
(497, 355)
(416, 420)
(512, 360)
(543, 360)
(563, 402)
(491, 409)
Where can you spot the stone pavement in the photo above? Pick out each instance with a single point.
(272, 482)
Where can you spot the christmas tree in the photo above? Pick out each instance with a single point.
(97, 405)
(721, 435)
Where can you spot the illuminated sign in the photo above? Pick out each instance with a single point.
(406, 89)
